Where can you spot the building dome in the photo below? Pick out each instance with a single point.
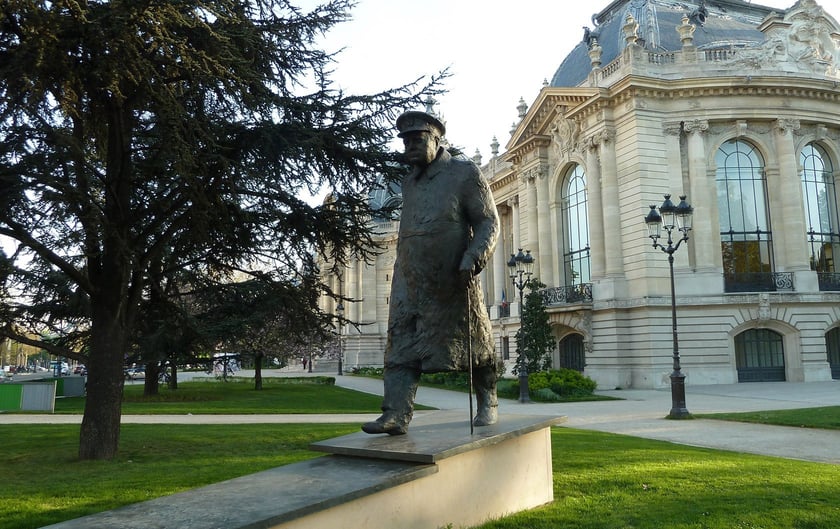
(722, 24)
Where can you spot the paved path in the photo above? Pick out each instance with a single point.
(640, 413)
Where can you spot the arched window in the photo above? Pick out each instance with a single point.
(746, 239)
(572, 353)
(832, 349)
(818, 193)
(760, 356)
(576, 223)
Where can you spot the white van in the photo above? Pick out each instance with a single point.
(54, 367)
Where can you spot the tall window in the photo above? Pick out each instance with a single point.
(576, 223)
(572, 353)
(818, 192)
(745, 234)
(832, 344)
(760, 356)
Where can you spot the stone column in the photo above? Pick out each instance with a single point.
(597, 228)
(532, 242)
(515, 227)
(786, 203)
(545, 257)
(793, 255)
(369, 291)
(703, 197)
(614, 258)
(499, 272)
(673, 164)
(353, 291)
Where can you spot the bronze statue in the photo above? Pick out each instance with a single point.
(448, 229)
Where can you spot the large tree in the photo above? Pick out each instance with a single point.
(140, 137)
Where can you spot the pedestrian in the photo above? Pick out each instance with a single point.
(448, 229)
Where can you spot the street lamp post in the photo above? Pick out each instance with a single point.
(672, 218)
(340, 310)
(521, 267)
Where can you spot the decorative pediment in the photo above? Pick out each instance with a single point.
(540, 124)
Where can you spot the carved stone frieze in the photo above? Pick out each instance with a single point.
(763, 307)
(565, 134)
(696, 125)
(786, 125)
(804, 41)
(672, 128)
(534, 172)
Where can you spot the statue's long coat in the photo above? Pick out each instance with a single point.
(448, 211)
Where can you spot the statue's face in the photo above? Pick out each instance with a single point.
(420, 147)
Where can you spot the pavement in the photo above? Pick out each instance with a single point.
(639, 413)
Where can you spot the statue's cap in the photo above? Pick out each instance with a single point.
(416, 121)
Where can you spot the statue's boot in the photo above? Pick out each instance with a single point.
(398, 402)
(484, 379)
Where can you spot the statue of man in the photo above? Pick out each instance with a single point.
(448, 229)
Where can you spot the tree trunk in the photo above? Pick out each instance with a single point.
(151, 384)
(258, 371)
(100, 432)
(173, 376)
(110, 272)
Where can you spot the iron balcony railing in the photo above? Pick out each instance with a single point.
(829, 281)
(758, 281)
(580, 293)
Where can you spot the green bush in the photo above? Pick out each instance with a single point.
(551, 386)
(368, 371)
(545, 395)
(449, 379)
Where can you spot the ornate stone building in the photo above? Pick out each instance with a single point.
(731, 103)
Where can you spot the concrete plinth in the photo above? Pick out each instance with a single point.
(437, 474)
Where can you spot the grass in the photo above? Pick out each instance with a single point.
(45, 483)
(607, 481)
(279, 395)
(827, 418)
(601, 480)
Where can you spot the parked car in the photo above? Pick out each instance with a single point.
(135, 373)
(80, 370)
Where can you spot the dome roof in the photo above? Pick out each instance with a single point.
(720, 24)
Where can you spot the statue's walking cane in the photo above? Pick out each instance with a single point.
(469, 349)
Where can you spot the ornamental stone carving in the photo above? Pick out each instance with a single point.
(672, 128)
(696, 125)
(786, 126)
(806, 40)
(565, 134)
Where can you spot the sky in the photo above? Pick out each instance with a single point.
(498, 51)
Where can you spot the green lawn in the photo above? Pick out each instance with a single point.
(601, 480)
(826, 417)
(45, 483)
(606, 481)
(279, 395)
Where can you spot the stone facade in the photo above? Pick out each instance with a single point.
(748, 130)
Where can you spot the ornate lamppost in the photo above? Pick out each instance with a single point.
(672, 218)
(521, 267)
(340, 310)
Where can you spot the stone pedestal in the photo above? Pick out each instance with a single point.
(437, 474)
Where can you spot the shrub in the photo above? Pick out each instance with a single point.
(551, 386)
(451, 379)
(368, 371)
